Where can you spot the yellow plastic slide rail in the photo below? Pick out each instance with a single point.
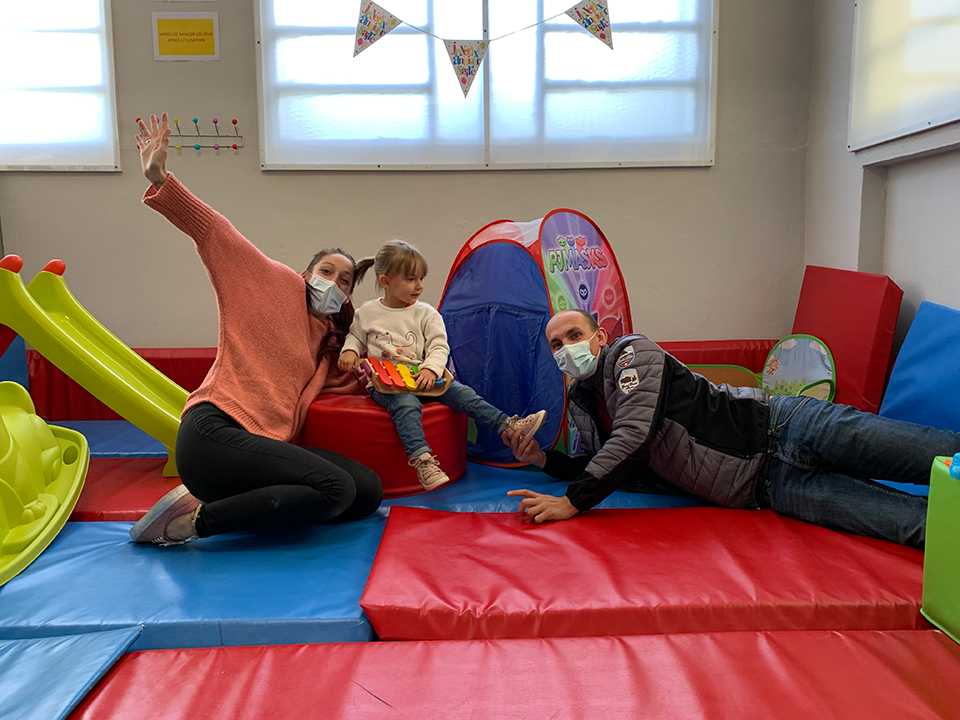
(46, 315)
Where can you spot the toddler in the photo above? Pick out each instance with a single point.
(398, 327)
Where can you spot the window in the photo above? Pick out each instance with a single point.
(548, 96)
(56, 86)
(906, 73)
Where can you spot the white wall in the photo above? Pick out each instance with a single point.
(921, 248)
(707, 253)
(891, 208)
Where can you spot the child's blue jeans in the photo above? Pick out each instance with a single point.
(407, 413)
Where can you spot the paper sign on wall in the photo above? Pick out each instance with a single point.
(186, 36)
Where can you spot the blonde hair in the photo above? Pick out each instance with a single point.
(395, 257)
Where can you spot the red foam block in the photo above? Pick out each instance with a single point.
(121, 489)
(441, 576)
(355, 426)
(748, 676)
(855, 314)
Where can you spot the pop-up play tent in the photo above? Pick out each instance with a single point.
(505, 284)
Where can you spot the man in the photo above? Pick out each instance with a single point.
(639, 410)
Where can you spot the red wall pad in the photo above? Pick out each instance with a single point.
(451, 576)
(355, 426)
(748, 676)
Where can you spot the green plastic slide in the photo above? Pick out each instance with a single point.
(46, 315)
(42, 469)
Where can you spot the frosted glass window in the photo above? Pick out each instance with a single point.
(56, 86)
(906, 74)
(547, 96)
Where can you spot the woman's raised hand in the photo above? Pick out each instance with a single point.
(152, 143)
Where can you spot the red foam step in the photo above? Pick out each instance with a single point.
(748, 676)
(121, 489)
(441, 576)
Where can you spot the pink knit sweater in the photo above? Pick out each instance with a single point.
(268, 367)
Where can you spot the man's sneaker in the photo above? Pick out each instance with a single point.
(527, 425)
(428, 471)
(152, 527)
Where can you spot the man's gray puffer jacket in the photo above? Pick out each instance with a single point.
(707, 440)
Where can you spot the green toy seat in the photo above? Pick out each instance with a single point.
(42, 469)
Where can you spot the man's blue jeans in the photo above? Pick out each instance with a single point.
(407, 413)
(823, 456)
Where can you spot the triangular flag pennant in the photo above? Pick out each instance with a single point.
(595, 17)
(373, 24)
(466, 56)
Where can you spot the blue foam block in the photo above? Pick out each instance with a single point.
(302, 586)
(484, 489)
(115, 438)
(45, 678)
(924, 385)
(13, 363)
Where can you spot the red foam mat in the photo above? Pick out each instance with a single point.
(784, 675)
(121, 489)
(447, 576)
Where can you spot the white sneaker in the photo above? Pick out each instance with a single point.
(428, 471)
(527, 425)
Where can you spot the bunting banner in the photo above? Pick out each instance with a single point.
(373, 24)
(595, 18)
(466, 56)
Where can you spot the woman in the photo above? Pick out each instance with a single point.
(280, 335)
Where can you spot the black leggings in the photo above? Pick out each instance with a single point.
(248, 481)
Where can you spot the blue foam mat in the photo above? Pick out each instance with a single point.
(115, 438)
(302, 586)
(45, 678)
(483, 488)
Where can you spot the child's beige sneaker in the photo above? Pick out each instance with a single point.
(428, 471)
(527, 425)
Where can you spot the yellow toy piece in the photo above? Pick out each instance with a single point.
(48, 316)
(408, 380)
(42, 469)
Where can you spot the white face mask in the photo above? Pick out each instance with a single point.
(576, 359)
(325, 297)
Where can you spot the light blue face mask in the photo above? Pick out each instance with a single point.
(576, 360)
(325, 297)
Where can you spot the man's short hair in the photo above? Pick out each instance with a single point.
(591, 322)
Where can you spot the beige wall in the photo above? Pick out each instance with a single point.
(707, 253)
(891, 208)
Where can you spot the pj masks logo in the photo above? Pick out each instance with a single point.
(575, 255)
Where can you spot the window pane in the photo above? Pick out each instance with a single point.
(41, 60)
(52, 15)
(328, 60)
(352, 117)
(638, 56)
(599, 114)
(322, 13)
(47, 117)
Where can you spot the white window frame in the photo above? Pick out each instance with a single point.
(110, 114)
(482, 85)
